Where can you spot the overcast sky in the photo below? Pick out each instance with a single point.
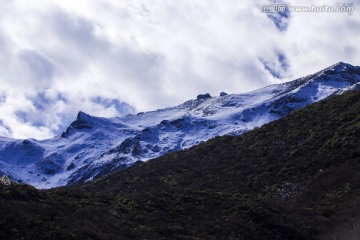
(110, 58)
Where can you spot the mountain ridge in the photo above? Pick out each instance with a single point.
(93, 146)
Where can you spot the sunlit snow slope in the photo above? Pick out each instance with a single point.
(91, 146)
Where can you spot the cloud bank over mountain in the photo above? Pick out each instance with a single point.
(110, 58)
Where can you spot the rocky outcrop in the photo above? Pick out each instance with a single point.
(203, 96)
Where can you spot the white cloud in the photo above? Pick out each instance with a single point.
(59, 57)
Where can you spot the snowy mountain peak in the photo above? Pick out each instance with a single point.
(341, 68)
(84, 122)
(93, 146)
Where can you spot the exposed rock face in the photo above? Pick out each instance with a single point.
(83, 121)
(51, 164)
(222, 94)
(203, 96)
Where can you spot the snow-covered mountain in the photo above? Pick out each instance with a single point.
(92, 146)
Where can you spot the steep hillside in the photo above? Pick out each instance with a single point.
(294, 178)
(92, 147)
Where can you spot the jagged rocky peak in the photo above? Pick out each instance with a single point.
(83, 121)
(203, 96)
(84, 117)
(222, 94)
